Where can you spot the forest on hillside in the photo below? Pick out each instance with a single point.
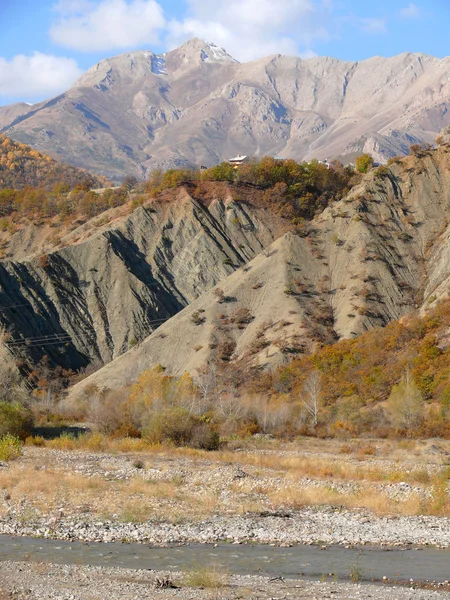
(21, 166)
(41, 189)
(290, 189)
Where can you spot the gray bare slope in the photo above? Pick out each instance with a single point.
(377, 255)
(114, 288)
(197, 106)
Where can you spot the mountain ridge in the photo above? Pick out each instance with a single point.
(139, 111)
(144, 266)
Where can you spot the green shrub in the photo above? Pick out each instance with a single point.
(15, 419)
(364, 163)
(381, 172)
(10, 447)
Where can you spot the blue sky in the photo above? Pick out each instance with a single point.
(46, 44)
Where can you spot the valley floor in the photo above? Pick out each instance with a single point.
(376, 492)
(312, 491)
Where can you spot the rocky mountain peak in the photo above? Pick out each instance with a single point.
(196, 105)
(196, 52)
(140, 64)
(131, 65)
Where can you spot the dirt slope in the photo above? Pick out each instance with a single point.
(111, 286)
(377, 255)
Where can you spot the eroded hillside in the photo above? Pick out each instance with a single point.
(94, 298)
(375, 256)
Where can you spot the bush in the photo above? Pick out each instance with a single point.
(395, 160)
(242, 317)
(364, 163)
(10, 447)
(381, 172)
(225, 349)
(35, 440)
(177, 426)
(206, 579)
(197, 319)
(416, 150)
(204, 437)
(44, 261)
(108, 413)
(15, 419)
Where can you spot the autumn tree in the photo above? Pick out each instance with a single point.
(129, 182)
(312, 390)
(15, 415)
(406, 403)
(364, 163)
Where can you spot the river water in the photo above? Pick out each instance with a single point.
(370, 564)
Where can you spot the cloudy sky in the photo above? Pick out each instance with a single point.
(46, 44)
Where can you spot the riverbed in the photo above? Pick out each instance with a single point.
(314, 562)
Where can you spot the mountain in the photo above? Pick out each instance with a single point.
(372, 258)
(21, 166)
(196, 105)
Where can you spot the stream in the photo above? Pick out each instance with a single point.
(366, 563)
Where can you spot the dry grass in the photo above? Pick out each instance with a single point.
(138, 500)
(332, 467)
(378, 503)
(206, 578)
(98, 442)
(275, 481)
(47, 490)
(326, 468)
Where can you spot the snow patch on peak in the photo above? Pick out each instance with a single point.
(159, 65)
(213, 53)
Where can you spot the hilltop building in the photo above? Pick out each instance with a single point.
(238, 160)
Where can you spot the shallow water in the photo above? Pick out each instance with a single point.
(298, 561)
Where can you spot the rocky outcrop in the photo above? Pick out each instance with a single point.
(197, 106)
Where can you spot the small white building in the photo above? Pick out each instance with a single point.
(325, 162)
(237, 161)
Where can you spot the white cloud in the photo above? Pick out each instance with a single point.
(249, 29)
(38, 75)
(107, 25)
(410, 12)
(372, 25)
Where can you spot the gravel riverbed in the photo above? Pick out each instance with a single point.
(325, 525)
(25, 581)
(226, 503)
(163, 499)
